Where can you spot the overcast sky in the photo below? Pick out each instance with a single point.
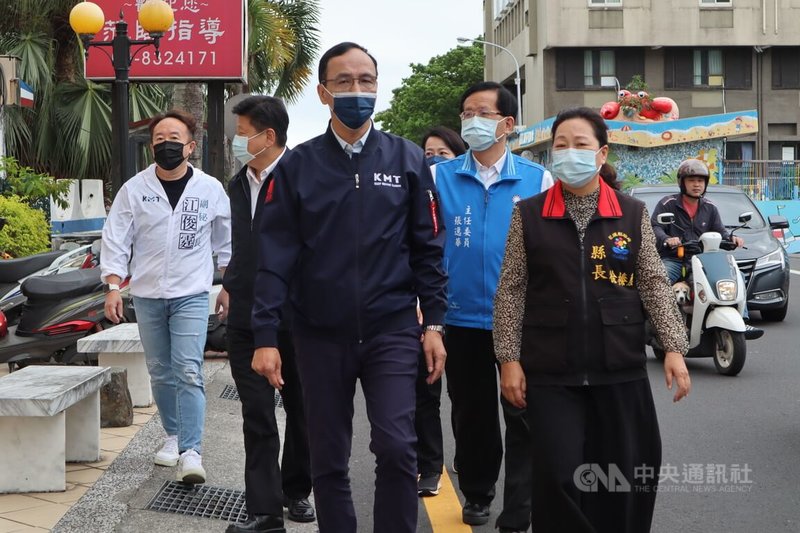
(397, 33)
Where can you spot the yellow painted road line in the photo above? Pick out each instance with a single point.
(444, 510)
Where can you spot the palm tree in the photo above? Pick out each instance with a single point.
(282, 45)
(68, 133)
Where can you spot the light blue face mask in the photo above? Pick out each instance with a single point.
(479, 133)
(239, 148)
(575, 167)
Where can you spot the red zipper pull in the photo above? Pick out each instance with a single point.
(434, 216)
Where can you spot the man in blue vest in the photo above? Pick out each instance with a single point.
(478, 191)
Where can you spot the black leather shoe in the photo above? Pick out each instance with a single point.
(300, 510)
(264, 523)
(475, 514)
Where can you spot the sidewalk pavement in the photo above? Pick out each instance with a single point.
(117, 501)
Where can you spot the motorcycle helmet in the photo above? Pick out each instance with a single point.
(692, 168)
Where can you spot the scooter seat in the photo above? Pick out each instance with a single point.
(66, 285)
(13, 270)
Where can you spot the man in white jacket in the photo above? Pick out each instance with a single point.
(167, 222)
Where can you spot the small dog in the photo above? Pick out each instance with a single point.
(682, 292)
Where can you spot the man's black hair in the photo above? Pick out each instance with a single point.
(506, 103)
(265, 112)
(340, 50)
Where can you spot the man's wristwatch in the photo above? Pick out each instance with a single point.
(112, 287)
(435, 327)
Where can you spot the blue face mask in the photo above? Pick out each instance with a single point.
(240, 151)
(575, 167)
(353, 109)
(479, 133)
(432, 160)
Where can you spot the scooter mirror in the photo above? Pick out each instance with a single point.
(666, 218)
(745, 217)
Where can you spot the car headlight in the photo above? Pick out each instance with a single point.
(771, 259)
(726, 289)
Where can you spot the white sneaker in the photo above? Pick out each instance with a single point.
(190, 468)
(168, 454)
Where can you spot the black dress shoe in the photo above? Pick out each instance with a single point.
(264, 523)
(475, 514)
(300, 510)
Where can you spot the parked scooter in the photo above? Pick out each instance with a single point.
(44, 264)
(716, 301)
(59, 310)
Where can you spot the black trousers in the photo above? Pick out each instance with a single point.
(472, 371)
(585, 439)
(266, 484)
(428, 422)
(386, 366)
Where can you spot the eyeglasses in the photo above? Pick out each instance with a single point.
(483, 113)
(345, 83)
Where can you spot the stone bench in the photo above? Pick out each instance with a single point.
(49, 415)
(120, 346)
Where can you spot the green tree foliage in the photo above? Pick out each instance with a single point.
(26, 231)
(430, 96)
(283, 43)
(32, 186)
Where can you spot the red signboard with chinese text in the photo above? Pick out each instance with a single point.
(206, 41)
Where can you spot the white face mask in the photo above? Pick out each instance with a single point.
(479, 132)
(574, 166)
(240, 151)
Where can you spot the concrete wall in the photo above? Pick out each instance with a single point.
(653, 25)
(669, 23)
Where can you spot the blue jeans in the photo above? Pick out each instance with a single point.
(173, 334)
(674, 268)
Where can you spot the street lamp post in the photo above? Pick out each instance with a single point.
(517, 80)
(86, 19)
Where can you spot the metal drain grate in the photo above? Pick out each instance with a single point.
(230, 393)
(200, 500)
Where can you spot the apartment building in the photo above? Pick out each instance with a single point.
(710, 56)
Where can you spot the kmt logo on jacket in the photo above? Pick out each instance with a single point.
(386, 180)
(619, 245)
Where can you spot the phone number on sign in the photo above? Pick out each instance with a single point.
(169, 57)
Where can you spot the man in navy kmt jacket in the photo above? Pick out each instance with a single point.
(351, 222)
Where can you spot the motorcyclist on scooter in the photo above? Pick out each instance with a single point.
(694, 215)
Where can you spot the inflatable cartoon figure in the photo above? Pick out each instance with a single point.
(639, 107)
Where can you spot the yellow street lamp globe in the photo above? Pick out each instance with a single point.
(156, 16)
(86, 18)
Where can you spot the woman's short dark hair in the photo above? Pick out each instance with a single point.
(340, 50)
(609, 175)
(265, 112)
(506, 103)
(588, 114)
(451, 139)
(177, 114)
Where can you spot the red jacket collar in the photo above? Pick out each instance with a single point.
(607, 205)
